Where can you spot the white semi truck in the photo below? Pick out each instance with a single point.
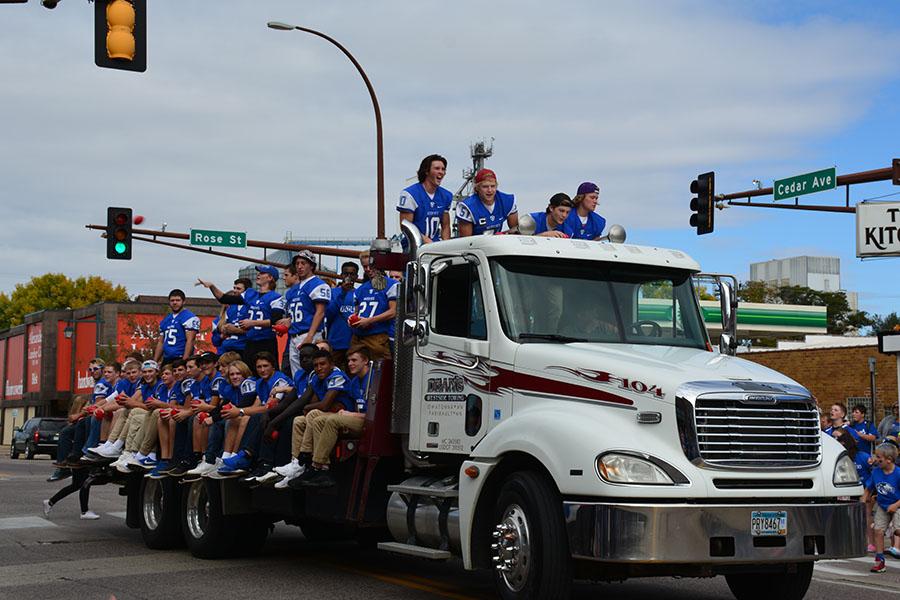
(555, 411)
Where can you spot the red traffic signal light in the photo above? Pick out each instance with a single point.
(120, 34)
(118, 233)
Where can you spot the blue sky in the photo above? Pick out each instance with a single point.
(238, 127)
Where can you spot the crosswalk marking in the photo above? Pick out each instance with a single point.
(838, 571)
(24, 523)
(118, 514)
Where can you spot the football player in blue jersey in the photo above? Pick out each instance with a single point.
(550, 223)
(305, 305)
(487, 209)
(233, 337)
(177, 331)
(583, 223)
(426, 204)
(264, 308)
(376, 306)
(342, 305)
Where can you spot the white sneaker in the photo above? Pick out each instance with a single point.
(213, 470)
(89, 516)
(202, 469)
(267, 477)
(284, 482)
(111, 452)
(47, 508)
(97, 449)
(289, 469)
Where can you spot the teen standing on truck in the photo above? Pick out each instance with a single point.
(583, 223)
(426, 204)
(487, 209)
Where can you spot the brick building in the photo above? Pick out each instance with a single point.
(837, 374)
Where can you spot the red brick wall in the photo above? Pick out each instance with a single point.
(835, 374)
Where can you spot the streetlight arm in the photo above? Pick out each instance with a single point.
(378, 130)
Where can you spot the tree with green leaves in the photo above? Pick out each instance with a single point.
(53, 291)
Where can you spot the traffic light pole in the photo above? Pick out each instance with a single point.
(891, 173)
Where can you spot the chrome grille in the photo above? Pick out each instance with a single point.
(733, 432)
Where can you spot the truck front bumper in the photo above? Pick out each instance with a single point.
(712, 534)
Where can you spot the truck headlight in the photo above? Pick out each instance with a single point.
(633, 468)
(845, 473)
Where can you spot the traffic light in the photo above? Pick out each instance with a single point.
(120, 34)
(703, 204)
(118, 233)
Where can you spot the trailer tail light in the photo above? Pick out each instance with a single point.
(37, 436)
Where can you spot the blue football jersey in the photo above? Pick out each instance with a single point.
(261, 309)
(241, 396)
(427, 210)
(358, 387)
(371, 302)
(484, 219)
(335, 381)
(233, 315)
(575, 229)
(264, 386)
(341, 306)
(301, 381)
(540, 219)
(175, 393)
(300, 304)
(173, 329)
(216, 337)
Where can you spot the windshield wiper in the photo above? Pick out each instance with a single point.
(550, 337)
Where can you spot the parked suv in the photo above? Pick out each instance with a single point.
(39, 435)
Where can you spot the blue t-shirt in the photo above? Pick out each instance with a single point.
(261, 308)
(863, 468)
(575, 229)
(358, 387)
(242, 396)
(341, 306)
(335, 381)
(101, 390)
(147, 389)
(472, 210)
(427, 211)
(264, 386)
(371, 302)
(887, 485)
(173, 329)
(830, 431)
(123, 385)
(301, 381)
(300, 304)
(233, 315)
(867, 428)
(216, 337)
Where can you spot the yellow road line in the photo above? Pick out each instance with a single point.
(415, 582)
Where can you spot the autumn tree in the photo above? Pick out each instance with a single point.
(53, 291)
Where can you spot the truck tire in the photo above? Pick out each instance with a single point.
(29, 451)
(771, 586)
(160, 510)
(321, 531)
(530, 548)
(207, 532)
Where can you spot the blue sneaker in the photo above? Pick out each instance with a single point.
(158, 472)
(238, 458)
(148, 463)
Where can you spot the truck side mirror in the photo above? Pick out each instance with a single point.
(728, 303)
(414, 331)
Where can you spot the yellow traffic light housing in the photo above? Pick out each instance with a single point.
(120, 34)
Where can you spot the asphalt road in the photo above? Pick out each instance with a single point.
(62, 557)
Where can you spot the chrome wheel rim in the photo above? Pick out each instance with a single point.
(511, 548)
(197, 513)
(153, 503)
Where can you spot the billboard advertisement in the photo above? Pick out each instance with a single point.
(85, 340)
(33, 368)
(13, 382)
(139, 332)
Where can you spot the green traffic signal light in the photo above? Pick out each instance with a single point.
(118, 233)
(121, 247)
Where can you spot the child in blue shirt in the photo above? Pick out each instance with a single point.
(884, 485)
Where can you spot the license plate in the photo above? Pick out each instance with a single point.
(763, 523)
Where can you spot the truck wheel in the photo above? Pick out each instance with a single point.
(29, 451)
(771, 586)
(529, 545)
(13, 453)
(160, 508)
(206, 530)
(321, 531)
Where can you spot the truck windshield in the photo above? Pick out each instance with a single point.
(560, 301)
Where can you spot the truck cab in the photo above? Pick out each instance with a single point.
(570, 391)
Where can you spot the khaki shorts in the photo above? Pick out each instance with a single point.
(884, 519)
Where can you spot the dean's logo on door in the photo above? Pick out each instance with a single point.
(445, 389)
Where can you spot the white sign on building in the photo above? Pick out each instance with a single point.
(877, 229)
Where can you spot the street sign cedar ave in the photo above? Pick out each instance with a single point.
(227, 239)
(808, 183)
